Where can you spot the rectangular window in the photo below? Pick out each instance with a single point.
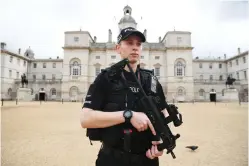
(53, 76)
(11, 58)
(113, 56)
(97, 71)
(221, 78)
(237, 75)
(157, 57)
(201, 77)
(76, 39)
(17, 75)
(245, 75)
(179, 39)
(244, 59)
(18, 61)
(220, 65)
(24, 63)
(53, 92)
(44, 77)
(200, 65)
(44, 65)
(54, 65)
(142, 57)
(157, 71)
(210, 66)
(34, 77)
(34, 65)
(237, 62)
(97, 57)
(211, 77)
(230, 64)
(10, 73)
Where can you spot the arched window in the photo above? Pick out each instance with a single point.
(180, 67)
(201, 92)
(97, 70)
(222, 92)
(10, 92)
(75, 67)
(180, 91)
(74, 90)
(53, 91)
(212, 90)
(157, 70)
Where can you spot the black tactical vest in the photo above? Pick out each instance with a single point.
(116, 101)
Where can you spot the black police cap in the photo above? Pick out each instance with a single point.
(126, 32)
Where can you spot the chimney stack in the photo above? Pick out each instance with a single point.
(160, 39)
(238, 51)
(110, 36)
(225, 56)
(145, 33)
(95, 39)
(3, 45)
(19, 51)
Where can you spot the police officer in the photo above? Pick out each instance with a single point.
(111, 107)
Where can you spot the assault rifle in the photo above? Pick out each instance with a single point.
(157, 119)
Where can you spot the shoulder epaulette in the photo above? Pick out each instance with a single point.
(106, 69)
(147, 71)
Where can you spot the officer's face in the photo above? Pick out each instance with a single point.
(130, 48)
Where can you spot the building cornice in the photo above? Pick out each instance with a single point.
(14, 54)
(179, 48)
(237, 56)
(47, 60)
(209, 60)
(75, 48)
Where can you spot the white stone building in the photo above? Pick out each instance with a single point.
(183, 77)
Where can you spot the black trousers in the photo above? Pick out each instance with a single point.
(112, 157)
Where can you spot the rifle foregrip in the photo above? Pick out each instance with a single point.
(160, 147)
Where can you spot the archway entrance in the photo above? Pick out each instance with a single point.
(74, 93)
(10, 93)
(42, 95)
(212, 95)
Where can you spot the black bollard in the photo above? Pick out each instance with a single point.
(62, 101)
(2, 101)
(16, 101)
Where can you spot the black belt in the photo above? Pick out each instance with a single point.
(119, 154)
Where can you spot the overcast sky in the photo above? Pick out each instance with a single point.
(217, 26)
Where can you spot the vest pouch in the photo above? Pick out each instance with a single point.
(95, 134)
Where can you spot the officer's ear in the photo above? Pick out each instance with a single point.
(118, 48)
